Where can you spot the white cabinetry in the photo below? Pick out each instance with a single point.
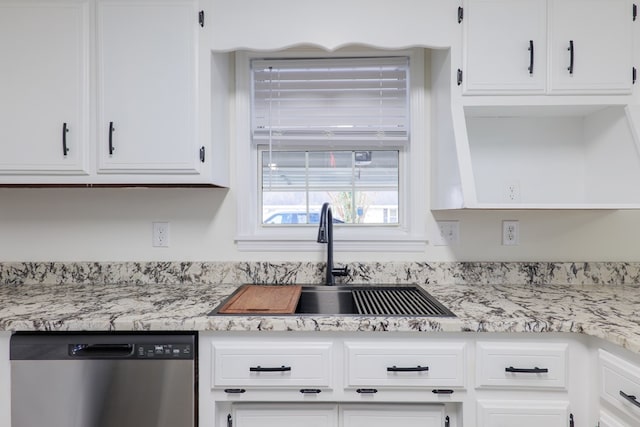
(505, 46)
(590, 46)
(279, 415)
(5, 380)
(111, 92)
(44, 87)
(619, 390)
(333, 415)
(523, 413)
(405, 364)
(147, 81)
(547, 46)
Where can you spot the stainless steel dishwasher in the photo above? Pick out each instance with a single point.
(103, 380)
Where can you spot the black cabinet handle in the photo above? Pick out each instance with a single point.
(571, 54)
(111, 129)
(630, 398)
(531, 56)
(310, 391)
(367, 390)
(571, 422)
(535, 370)
(274, 369)
(234, 390)
(442, 391)
(418, 368)
(65, 149)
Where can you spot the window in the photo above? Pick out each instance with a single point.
(336, 129)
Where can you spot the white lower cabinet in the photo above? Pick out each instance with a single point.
(523, 413)
(334, 415)
(352, 379)
(619, 389)
(280, 415)
(5, 380)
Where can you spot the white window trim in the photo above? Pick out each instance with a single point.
(410, 236)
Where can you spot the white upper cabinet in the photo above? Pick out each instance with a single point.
(505, 46)
(590, 46)
(526, 47)
(147, 71)
(44, 87)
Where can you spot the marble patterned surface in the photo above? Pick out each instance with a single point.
(608, 312)
(471, 273)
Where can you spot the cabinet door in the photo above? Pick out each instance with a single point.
(598, 34)
(505, 46)
(44, 86)
(279, 415)
(385, 415)
(147, 68)
(523, 413)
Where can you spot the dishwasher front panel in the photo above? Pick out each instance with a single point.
(104, 387)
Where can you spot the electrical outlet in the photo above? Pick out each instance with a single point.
(510, 233)
(448, 233)
(512, 192)
(160, 237)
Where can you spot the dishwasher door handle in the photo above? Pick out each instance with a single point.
(101, 350)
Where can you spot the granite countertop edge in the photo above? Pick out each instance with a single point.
(611, 313)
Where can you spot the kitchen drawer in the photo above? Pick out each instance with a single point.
(521, 365)
(608, 420)
(405, 364)
(620, 383)
(272, 364)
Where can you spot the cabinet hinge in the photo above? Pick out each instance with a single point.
(635, 11)
(447, 421)
(571, 423)
(634, 75)
(201, 18)
(229, 421)
(459, 77)
(202, 154)
(460, 14)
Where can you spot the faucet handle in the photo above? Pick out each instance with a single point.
(340, 271)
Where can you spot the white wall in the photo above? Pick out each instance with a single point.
(114, 224)
(111, 224)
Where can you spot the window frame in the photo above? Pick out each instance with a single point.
(408, 236)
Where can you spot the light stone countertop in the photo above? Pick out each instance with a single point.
(610, 312)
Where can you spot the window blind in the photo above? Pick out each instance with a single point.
(358, 101)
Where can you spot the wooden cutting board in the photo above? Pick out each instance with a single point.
(254, 299)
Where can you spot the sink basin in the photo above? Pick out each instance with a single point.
(376, 300)
(367, 300)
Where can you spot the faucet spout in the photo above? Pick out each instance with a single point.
(325, 235)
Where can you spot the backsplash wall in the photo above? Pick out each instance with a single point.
(481, 273)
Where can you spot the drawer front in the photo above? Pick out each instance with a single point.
(272, 364)
(523, 413)
(620, 383)
(405, 365)
(608, 420)
(522, 365)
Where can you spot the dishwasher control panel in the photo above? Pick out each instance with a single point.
(164, 351)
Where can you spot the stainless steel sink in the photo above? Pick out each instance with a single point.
(376, 300)
(367, 300)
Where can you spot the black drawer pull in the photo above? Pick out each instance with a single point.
(310, 391)
(65, 149)
(234, 390)
(442, 391)
(535, 370)
(275, 369)
(418, 368)
(111, 130)
(630, 398)
(571, 54)
(367, 390)
(531, 55)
